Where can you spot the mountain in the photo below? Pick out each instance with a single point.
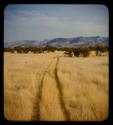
(61, 42)
(58, 42)
(23, 43)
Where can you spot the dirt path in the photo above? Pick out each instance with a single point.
(36, 107)
(59, 87)
(50, 104)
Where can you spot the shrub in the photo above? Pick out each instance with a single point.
(9, 50)
(85, 52)
(12, 50)
(25, 50)
(77, 52)
(69, 53)
(100, 49)
(50, 48)
(18, 49)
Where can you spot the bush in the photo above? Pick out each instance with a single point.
(100, 49)
(9, 50)
(12, 50)
(69, 53)
(77, 52)
(50, 48)
(85, 52)
(18, 49)
(25, 50)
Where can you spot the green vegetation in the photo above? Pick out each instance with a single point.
(77, 51)
(50, 48)
(84, 52)
(100, 49)
(69, 53)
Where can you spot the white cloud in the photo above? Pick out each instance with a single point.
(31, 21)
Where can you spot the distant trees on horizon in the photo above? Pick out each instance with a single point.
(85, 52)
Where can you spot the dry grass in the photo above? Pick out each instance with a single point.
(84, 84)
(43, 87)
(50, 108)
(22, 76)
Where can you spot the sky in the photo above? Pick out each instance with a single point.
(48, 21)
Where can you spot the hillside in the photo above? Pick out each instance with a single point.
(61, 42)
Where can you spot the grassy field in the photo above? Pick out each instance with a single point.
(50, 86)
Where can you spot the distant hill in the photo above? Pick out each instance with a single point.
(61, 42)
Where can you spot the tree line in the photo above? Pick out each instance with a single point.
(85, 52)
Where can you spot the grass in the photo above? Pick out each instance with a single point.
(85, 87)
(43, 87)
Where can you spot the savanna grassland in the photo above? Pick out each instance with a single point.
(54, 87)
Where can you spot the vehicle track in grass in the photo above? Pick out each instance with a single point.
(36, 107)
(60, 89)
(50, 104)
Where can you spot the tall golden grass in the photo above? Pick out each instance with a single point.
(49, 86)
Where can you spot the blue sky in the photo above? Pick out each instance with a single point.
(47, 21)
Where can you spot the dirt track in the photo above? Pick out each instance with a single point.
(50, 86)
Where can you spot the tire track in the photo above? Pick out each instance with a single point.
(36, 107)
(59, 87)
(50, 104)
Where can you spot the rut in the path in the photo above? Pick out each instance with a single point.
(59, 87)
(50, 97)
(36, 107)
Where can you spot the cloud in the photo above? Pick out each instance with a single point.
(33, 22)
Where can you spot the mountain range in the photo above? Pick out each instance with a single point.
(61, 42)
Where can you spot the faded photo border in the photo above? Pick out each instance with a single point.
(108, 4)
